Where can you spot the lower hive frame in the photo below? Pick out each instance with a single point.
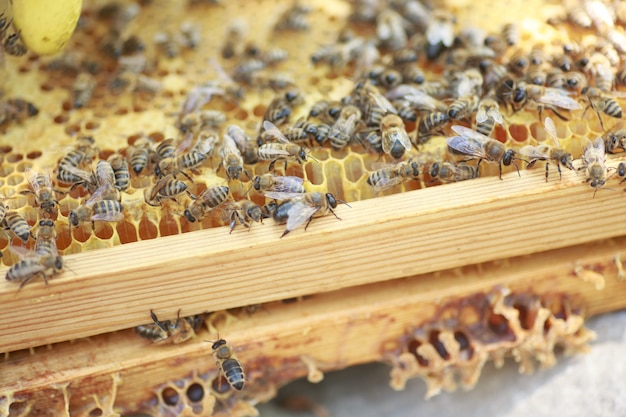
(448, 284)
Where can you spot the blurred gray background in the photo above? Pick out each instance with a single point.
(587, 385)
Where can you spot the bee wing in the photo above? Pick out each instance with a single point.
(423, 101)
(31, 175)
(382, 102)
(495, 114)
(228, 146)
(550, 127)
(397, 135)
(466, 132)
(108, 217)
(559, 99)
(81, 173)
(276, 195)
(285, 183)
(271, 130)
(386, 183)
(534, 152)
(299, 213)
(275, 152)
(481, 114)
(468, 146)
(23, 253)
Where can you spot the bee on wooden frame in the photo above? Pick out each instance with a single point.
(168, 331)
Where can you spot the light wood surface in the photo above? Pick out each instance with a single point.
(336, 329)
(377, 240)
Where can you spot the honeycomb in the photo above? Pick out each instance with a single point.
(450, 350)
(117, 118)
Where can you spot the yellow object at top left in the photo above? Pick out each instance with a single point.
(46, 26)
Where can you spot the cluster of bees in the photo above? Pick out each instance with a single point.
(411, 66)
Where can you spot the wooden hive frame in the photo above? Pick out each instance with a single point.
(370, 283)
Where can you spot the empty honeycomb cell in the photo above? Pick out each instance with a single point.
(5, 170)
(34, 155)
(105, 153)
(240, 114)
(413, 347)
(220, 385)
(577, 127)
(46, 87)
(464, 345)
(15, 179)
(537, 132)
(4, 149)
(138, 109)
(195, 392)
(156, 136)
(499, 325)
(14, 157)
(61, 119)
(25, 165)
(433, 339)
(170, 396)
(72, 130)
(527, 316)
(126, 231)
(353, 168)
(121, 111)
(92, 125)
(518, 133)
(67, 105)
(23, 69)
(333, 175)
(147, 229)
(95, 412)
(77, 192)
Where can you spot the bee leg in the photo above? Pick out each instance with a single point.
(287, 231)
(308, 222)
(271, 165)
(156, 321)
(600, 118)
(559, 115)
(186, 176)
(558, 168)
(547, 165)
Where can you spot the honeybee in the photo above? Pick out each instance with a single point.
(168, 331)
(462, 107)
(594, 159)
(520, 94)
(190, 35)
(82, 89)
(418, 98)
(343, 130)
(13, 44)
(547, 152)
(479, 146)
(244, 212)
(429, 124)
(198, 96)
(395, 139)
(168, 44)
(488, 115)
(232, 161)
(178, 164)
(120, 170)
(615, 138)
(166, 187)
(235, 34)
(301, 208)
(16, 110)
(519, 63)
(603, 102)
(282, 184)
(248, 148)
(390, 29)
(228, 364)
(82, 153)
(392, 175)
(32, 265)
(17, 224)
(206, 142)
(209, 199)
(511, 33)
(140, 154)
(45, 242)
(465, 83)
(278, 111)
(45, 197)
(294, 18)
(439, 33)
(97, 209)
(283, 150)
(447, 172)
(372, 139)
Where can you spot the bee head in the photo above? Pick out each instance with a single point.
(509, 155)
(332, 201)
(434, 169)
(73, 218)
(188, 216)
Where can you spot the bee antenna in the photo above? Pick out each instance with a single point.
(313, 158)
(65, 266)
(344, 202)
